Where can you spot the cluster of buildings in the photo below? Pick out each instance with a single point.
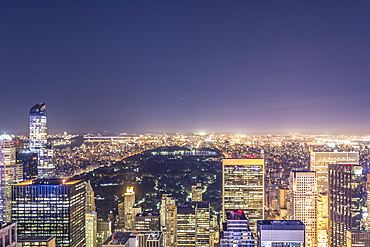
(330, 198)
(324, 204)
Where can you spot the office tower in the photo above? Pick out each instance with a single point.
(127, 211)
(38, 141)
(193, 224)
(236, 231)
(135, 239)
(147, 221)
(104, 231)
(345, 201)
(8, 234)
(196, 192)
(320, 161)
(3, 195)
(287, 233)
(303, 202)
(13, 171)
(243, 188)
(60, 210)
(91, 217)
(168, 213)
(358, 238)
(37, 242)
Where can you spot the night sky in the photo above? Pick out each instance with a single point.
(187, 66)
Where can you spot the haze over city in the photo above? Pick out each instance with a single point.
(187, 66)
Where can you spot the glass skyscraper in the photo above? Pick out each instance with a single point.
(51, 207)
(243, 188)
(38, 127)
(345, 201)
(38, 141)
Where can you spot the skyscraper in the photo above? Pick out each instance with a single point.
(38, 127)
(91, 217)
(345, 201)
(193, 224)
(243, 188)
(168, 213)
(38, 141)
(13, 171)
(303, 204)
(127, 210)
(3, 195)
(319, 162)
(59, 211)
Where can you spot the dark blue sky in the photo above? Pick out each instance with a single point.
(187, 66)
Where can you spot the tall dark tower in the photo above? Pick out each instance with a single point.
(345, 201)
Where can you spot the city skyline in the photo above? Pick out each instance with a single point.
(189, 66)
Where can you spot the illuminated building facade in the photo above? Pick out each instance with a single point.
(319, 162)
(345, 201)
(303, 202)
(3, 190)
(282, 233)
(243, 188)
(91, 217)
(38, 127)
(45, 167)
(322, 219)
(193, 224)
(358, 238)
(147, 221)
(37, 242)
(196, 192)
(127, 211)
(236, 231)
(168, 213)
(38, 141)
(51, 207)
(13, 171)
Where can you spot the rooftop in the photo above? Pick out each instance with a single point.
(280, 225)
(48, 182)
(38, 109)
